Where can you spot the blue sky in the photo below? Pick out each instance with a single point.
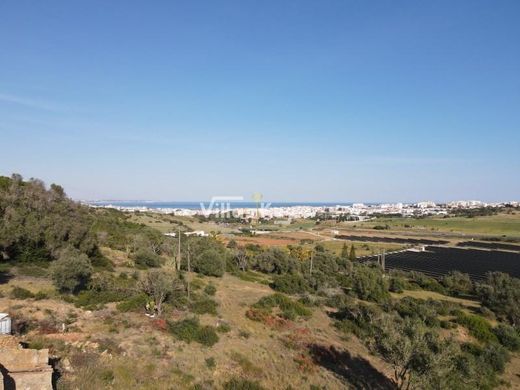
(299, 100)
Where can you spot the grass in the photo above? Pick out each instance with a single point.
(424, 294)
(497, 225)
(362, 248)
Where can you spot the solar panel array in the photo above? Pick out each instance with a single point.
(439, 261)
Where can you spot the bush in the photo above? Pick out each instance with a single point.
(21, 293)
(339, 301)
(135, 303)
(275, 260)
(508, 337)
(207, 336)
(495, 356)
(397, 284)
(41, 295)
(427, 283)
(223, 327)
(501, 294)
(147, 259)
(210, 289)
(210, 362)
(289, 309)
(368, 284)
(242, 384)
(189, 330)
(72, 271)
(457, 283)
(478, 327)
(426, 311)
(204, 306)
(290, 284)
(210, 263)
(93, 299)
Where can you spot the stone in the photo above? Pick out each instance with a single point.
(24, 369)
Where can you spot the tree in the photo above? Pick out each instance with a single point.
(344, 252)
(368, 284)
(457, 283)
(352, 255)
(275, 260)
(36, 223)
(501, 294)
(241, 259)
(159, 284)
(418, 357)
(211, 263)
(72, 271)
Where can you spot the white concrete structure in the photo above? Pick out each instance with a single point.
(5, 323)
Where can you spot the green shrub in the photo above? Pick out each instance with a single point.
(478, 327)
(496, 357)
(368, 284)
(72, 271)
(210, 289)
(290, 284)
(242, 384)
(211, 263)
(427, 283)
(147, 259)
(501, 294)
(275, 260)
(93, 299)
(457, 283)
(41, 295)
(289, 309)
(396, 284)
(338, 301)
(197, 283)
(21, 293)
(508, 336)
(135, 303)
(204, 306)
(210, 362)
(426, 311)
(189, 330)
(223, 327)
(207, 336)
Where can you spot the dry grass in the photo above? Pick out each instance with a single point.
(275, 358)
(423, 294)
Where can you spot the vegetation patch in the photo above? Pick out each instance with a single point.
(134, 303)
(204, 305)
(190, 329)
(21, 293)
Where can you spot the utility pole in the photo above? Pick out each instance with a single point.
(179, 253)
(383, 260)
(312, 260)
(189, 270)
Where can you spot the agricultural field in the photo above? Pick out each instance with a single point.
(504, 226)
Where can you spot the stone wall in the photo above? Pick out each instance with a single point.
(24, 369)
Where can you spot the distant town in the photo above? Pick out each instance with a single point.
(353, 212)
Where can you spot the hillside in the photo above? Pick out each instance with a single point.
(118, 308)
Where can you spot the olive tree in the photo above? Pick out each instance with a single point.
(72, 271)
(159, 284)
